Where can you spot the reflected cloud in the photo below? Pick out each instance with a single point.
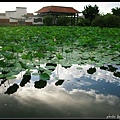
(71, 101)
(63, 103)
(101, 81)
(80, 95)
(73, 72)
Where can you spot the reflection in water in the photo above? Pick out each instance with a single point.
(3, 81)
(80, 95)
(40, 84)
(59, 82)
(12, 89)
(26, 78)
(117, 74)
(91, 70)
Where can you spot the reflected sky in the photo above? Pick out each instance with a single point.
(81, 95)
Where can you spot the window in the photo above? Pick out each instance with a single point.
(21, 22)
(38, 20)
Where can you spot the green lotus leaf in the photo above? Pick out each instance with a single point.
(59, 56)
(36, 74)
(44, 76)
(11, 77)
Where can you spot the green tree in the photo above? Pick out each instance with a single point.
(48, 20)
(98, 21)
(112, 20)
(83, 22)
(62, 21)
(116, 11)
(90, 12)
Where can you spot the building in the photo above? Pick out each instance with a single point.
(19, 17)
(58, 11)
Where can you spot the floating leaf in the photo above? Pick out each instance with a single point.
(44, 76)
(6, 48)
(59, 56)
(116, 74)
(103, 68)
(25, 56)
(23, 65)
(59, 82)
(26, 78)
(93, 59)
(79, 68)
(40, 70)
(35, 74)
(2, 63)
(3, 81)
(50, 67)
(66, 65)
(39, 55)
(51, 64)
(12, 89)
(40, 84)
(2, 76)
(68, 51)
(91, 70)
(48, 72)
(5, 72)
(111, 68)
(11, 77)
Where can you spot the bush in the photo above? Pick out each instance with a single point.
(48, 20)
(108, 20)
(112, 21)
(62, 21)
(98, 21)
(83, 22)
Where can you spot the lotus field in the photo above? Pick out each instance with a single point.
(24, 48)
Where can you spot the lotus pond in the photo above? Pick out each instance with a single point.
(59, 72)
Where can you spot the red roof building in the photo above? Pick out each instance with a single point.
(59, 11)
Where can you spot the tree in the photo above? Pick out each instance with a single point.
(62, 21)
(90, 12)
(98, 21)
(112, 21)
(83, 22)
(48, 20)
(109, 20)
(116, 11)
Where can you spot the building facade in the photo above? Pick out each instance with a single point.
(20, 17)
(58, 11)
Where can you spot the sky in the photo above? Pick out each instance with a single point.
(32, 7)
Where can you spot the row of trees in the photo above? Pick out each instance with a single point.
(92, 17)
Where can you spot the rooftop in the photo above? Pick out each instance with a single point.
(59, 9)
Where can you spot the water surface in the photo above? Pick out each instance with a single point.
(79, 95)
